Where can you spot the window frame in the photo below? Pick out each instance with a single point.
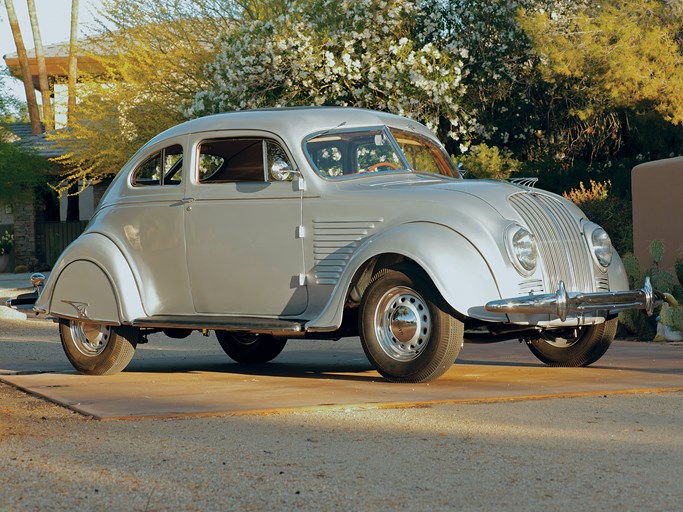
(263, 138)
(162, 179)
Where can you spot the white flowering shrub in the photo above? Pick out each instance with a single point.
(507, 95)
(360, 53)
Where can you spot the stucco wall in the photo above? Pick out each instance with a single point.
(657, 189)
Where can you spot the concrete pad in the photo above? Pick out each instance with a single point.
(325, 378)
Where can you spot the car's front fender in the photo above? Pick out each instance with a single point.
(456, 267)
(92, 280)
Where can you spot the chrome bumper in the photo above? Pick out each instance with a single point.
(563, 303)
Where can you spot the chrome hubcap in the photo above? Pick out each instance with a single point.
(403, 324)
(90, 339)
(563, 338)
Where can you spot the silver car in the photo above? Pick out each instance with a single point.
(321, 223)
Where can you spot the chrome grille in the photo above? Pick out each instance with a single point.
(334, 243)
(562, 248)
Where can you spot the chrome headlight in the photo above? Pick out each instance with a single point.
(602, 247)
(522, 249)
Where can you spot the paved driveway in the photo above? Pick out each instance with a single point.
(169, 378)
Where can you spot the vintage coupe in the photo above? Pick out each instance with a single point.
(321, 223)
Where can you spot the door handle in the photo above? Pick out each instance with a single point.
(187, 201)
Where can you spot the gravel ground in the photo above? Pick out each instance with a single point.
(617, 452)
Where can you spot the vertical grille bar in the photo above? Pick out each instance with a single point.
(561, 244)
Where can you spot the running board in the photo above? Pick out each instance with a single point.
(221, 323)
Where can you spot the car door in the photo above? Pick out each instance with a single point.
(147, 224)
(242, 217)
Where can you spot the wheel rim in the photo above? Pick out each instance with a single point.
(246, 339)
(403, 324)
(563, 338)
(90, 339)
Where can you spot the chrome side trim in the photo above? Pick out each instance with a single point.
(227, 323)
(563, 303)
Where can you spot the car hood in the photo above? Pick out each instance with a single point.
(435, 188)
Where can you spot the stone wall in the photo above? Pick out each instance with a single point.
(25, 232)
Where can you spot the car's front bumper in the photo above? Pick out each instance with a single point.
(565, 303)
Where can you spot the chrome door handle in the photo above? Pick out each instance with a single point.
(187, 199)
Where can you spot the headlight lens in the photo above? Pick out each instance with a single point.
(523, 250)
(602, 247)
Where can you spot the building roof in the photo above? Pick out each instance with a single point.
(57, 60)
(22, 136)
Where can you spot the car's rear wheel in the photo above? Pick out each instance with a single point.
(406, 332)
(580, 346)
(97, 349)
(250, 348)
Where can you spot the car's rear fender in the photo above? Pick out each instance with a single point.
(93, 281)
(458, 270)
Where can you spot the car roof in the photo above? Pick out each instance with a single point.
(292, 122)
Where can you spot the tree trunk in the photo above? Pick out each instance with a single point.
(73, 63)
(42, 70)
(31, 101)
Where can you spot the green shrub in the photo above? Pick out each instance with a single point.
(489, 162)
(608, 210)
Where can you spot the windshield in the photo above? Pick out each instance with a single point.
(423, 154)
(336, 154)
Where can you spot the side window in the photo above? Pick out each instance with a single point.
(162, 168)
(278, 164)
(242, 159)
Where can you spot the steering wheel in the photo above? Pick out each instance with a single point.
(381, 164)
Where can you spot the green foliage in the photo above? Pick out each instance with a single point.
(664, 282)
(20, 172)
(678, 293)
(672, 311)
(566, 91)
(489, 162)
(605, 63)
(152, 56)
(656, 251)
(605, 209)
(11, 109)
(632, 267)
(638, 323)
(676, 318)
(678, 266)
(334, 52)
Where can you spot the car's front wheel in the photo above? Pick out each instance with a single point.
(575, 346)
(250, 348)
(97, 349)
(405, 331)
